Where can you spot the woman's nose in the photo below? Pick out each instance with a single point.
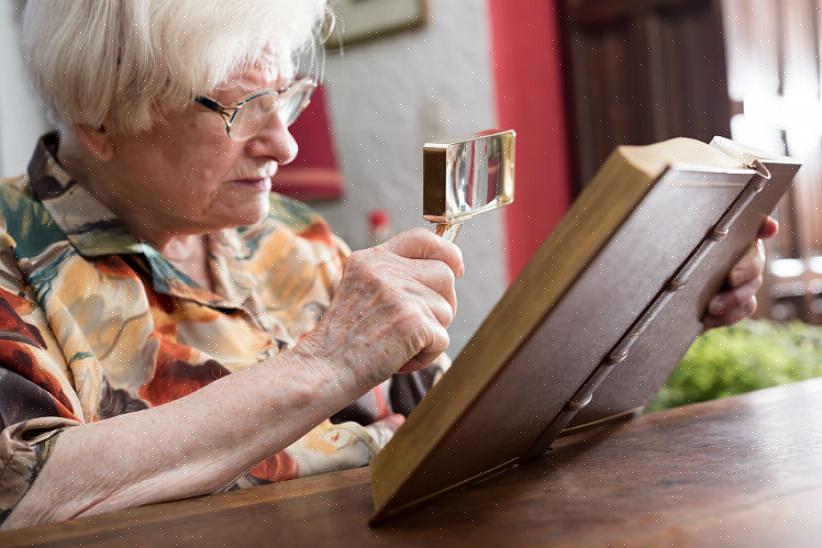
(274, 141)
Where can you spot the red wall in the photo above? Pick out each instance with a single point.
(529, 96)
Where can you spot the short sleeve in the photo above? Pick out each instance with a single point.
(37, 400)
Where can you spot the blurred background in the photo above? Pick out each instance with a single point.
(574, 78)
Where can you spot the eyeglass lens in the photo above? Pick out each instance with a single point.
(255, 114)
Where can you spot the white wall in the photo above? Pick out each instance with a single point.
(21, 118)
(388, 97)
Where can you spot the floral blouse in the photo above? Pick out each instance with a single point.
(96, 323)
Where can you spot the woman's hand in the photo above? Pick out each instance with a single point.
(391, 309)
(744, 280)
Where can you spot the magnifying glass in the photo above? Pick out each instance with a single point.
(466, 177)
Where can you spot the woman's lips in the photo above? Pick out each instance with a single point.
(259, 184)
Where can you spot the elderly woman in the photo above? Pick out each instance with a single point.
(144, 258)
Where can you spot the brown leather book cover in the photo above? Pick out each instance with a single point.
(654, 355)
(596, 322)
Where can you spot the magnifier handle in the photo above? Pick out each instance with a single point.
(448, 231)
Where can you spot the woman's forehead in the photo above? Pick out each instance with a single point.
(258, 76)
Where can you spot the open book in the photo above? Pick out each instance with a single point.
(596, 322)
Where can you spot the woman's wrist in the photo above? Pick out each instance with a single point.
(318, 373)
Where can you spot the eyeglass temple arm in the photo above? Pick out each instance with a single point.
(211, 104)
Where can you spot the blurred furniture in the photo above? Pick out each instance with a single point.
(793, 289)
(741, 471)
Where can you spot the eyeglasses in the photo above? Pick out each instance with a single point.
(247, 117)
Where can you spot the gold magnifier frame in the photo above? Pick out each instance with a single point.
(466, 177)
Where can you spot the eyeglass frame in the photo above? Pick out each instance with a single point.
(229, 112)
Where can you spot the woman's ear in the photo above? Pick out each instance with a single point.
(96, 141)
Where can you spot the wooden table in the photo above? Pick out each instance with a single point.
(743, 471)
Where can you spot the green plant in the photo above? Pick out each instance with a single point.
(748, 356)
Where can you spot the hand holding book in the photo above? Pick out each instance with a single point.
(738, 298)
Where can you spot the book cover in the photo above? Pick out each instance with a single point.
(597, 320)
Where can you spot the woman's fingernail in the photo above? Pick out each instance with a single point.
(716, 307)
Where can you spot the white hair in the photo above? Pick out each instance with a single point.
(124, 61)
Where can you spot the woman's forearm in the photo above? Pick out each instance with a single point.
(192, 446)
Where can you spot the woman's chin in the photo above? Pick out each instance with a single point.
(251, 216)
(231, 209)
(240, 214)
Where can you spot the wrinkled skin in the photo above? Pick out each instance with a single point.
(391, 309)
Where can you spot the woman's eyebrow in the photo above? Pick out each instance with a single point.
(238, 91)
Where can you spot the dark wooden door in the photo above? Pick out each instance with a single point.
(642, 71)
